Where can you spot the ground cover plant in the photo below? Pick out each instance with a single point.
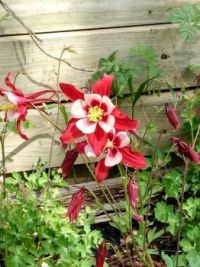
(157, 221)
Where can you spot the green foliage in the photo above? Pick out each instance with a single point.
(34, 230)
(126, 72)
(148, 57)
(172, 184)
(123, 71)
(153, 234)
(167, 214)
(188, 19)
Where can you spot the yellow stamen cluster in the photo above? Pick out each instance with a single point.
(95, 114)
(7, 107)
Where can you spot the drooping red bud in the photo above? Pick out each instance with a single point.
(76, 203)
(132, 193)
(172, 116)
(138, 218)
(101, 254)
(185, 149)
(68, 161)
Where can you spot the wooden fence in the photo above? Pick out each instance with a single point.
(94, 29)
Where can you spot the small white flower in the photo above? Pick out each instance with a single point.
(44, 264)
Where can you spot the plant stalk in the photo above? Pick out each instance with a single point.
(181, 210)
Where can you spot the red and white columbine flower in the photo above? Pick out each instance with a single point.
(94, 115)
(116, 150)
(18, 103)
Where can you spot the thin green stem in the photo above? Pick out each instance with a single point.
(124, 174)
(111, 196)
(46, 118)
(196, 136)
(58, 113)
(153, 164)
(100, 187)
(181, 211)
(2, 140)
(116, 252)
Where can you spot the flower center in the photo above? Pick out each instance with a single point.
(7, 107)
(95, 114)
(109, 144)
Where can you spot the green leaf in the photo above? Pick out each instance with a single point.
(172, 183)
(26, 124)
(188, 19)
(143, 86)
(64, 113)
(168, 261)
(153, 235)
(166, 214)
(193, 258)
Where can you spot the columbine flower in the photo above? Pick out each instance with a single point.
(186, 149)
(132, 189)
(68, 161)
(101, 255)
(116, 150)
(76, 203)
(19, 103)
(172, 116)
(94, 114)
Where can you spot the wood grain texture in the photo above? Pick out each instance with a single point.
(21, 155)
(19, 54)
(62, 15)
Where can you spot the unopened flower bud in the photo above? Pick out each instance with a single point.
(132, 193)
(76, 203)
(185, 149)
(68, 162)
(172, 116)
(101, 255)
(138, 218)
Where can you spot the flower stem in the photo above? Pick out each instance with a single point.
(2, 140)
(58, 112)
(181, 210)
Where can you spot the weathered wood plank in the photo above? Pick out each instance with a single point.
(62, 15)
(19, 54)
(21, 154)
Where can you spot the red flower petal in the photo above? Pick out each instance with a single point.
(71, 132)
(97, 140)
(101, 171)
(124, 122)
(102, 87)
(11, 85)
(80, 147)
(19, 120)
(37, 94)
(71, 92)
(133, 159)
